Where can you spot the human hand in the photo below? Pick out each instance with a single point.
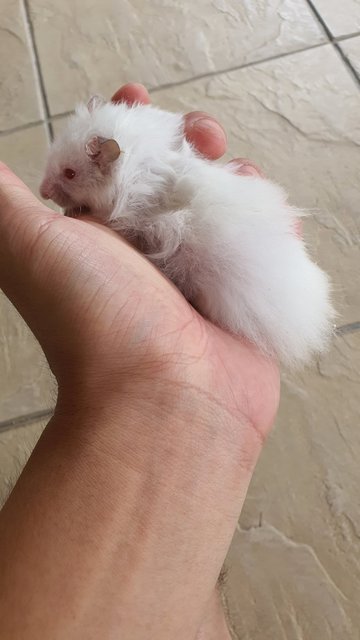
(167, 396)
(60, 261)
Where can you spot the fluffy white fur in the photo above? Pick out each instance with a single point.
(227, 241)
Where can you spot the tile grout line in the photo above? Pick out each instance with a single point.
(347, 62)
(48, 119)
(334, 42)
(25, 420)
(348, 36)
(37, 66)
(321, 21)
(345, 329)
(22, 127)
(246, 65)
(35, 123)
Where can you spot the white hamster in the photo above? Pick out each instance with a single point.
(228, 242)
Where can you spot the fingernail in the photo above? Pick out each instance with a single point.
(208, 126)
(245, 168)
(248, 170)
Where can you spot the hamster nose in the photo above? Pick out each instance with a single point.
(44, 194)
(45, 190)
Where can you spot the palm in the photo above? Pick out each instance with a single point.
(111, 306)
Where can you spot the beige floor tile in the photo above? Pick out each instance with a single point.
(301, 567)
(58, 124)
(341, 17)
(19, 102)
(298, 117)
(25, 382)
(25, 152)
(15, 448)
(88, 47)
(351, 48)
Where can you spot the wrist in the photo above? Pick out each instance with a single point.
(162, 426)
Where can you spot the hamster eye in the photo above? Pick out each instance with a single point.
(69, 173)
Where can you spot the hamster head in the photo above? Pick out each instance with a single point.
(80, 167)
(111, 159)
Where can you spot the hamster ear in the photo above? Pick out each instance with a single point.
(102, 150)
(109, 151)
(94, 102)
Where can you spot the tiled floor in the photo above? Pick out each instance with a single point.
(282, 78)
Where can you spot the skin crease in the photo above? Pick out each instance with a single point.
(158, 412)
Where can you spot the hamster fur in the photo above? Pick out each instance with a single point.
(228, 242)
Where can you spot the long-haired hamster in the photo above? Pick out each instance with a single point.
(228, 242)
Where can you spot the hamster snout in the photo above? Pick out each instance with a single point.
(53, 191)
(45, 189)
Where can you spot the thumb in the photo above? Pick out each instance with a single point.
(25, 234)
(22, 217)
(35, 262)
(16, 200)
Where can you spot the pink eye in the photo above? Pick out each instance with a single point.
(69, 173)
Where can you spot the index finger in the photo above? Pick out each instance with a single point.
(131, 93)
(206, 134)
